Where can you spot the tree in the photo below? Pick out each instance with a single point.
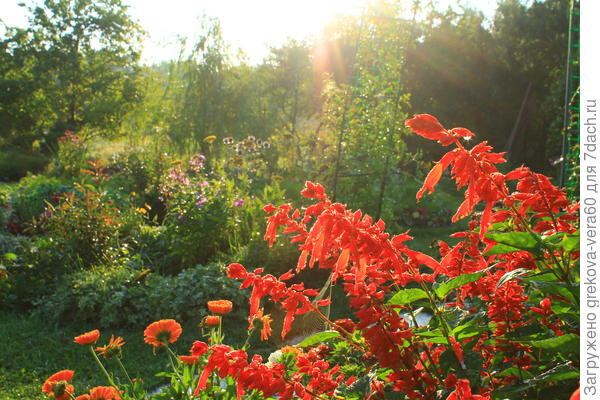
(81, 56)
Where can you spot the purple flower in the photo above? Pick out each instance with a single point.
(197, 161)
(238, 203)
(202, 184)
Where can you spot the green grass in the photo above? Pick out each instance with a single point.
(31, 351)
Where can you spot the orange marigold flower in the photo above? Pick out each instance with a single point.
(90, 337)
(291, 349)
(83, 397)
(160, 332)
(112, 349)
(220, 307)
(212, 320)
(262, 322)
(104, 393)
(189, 360)
(57, 386)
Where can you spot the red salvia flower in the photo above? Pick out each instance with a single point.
(463, 392)
(198, 348)
(190, 360)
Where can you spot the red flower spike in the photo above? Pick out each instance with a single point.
(463, 392)
(427, 126)
(198, 348)
(236, 271)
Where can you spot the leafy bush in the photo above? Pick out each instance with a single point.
(87, 226)
(139, 172)
(32, 267)
(208, 214)
(124, 296)
(29, 198)
(15, 165)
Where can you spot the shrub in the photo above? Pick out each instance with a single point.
(33, 266)
(88, 227)
(15, 165)
(122, 296)
(207, 214)
(30, 197)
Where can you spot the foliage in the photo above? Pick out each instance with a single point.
(86, 225)
(123, 296)
(32, 267)
(38, 349)
(15, 164)
(30, 197)
(464, 62)
(503, 302)
(75, 66)
(208, 213)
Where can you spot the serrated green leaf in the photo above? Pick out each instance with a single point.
(318, 338)
(406, 296)
(446, 287)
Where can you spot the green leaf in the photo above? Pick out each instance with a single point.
(565, 344)
(570, 242)
(559, 373)
(318, 338)
(446, 287)
(518, 240)
(511, 275)
(406, 296)
(10, 256)
(500, 249)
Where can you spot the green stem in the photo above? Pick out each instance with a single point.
(247, 342)
(429, 357)
(125, 371)
(443, 323)
(170, 356)
(110, 381)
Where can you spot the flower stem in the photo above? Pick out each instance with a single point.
(170, 356)
(110, 381)
(125, 371)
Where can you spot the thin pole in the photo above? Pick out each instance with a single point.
(513, 133)
(566, 117)
(346, 104)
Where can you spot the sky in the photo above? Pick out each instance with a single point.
(251, 25)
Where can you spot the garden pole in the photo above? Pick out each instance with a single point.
(351, 82)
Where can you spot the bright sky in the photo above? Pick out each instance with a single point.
(252, 25)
